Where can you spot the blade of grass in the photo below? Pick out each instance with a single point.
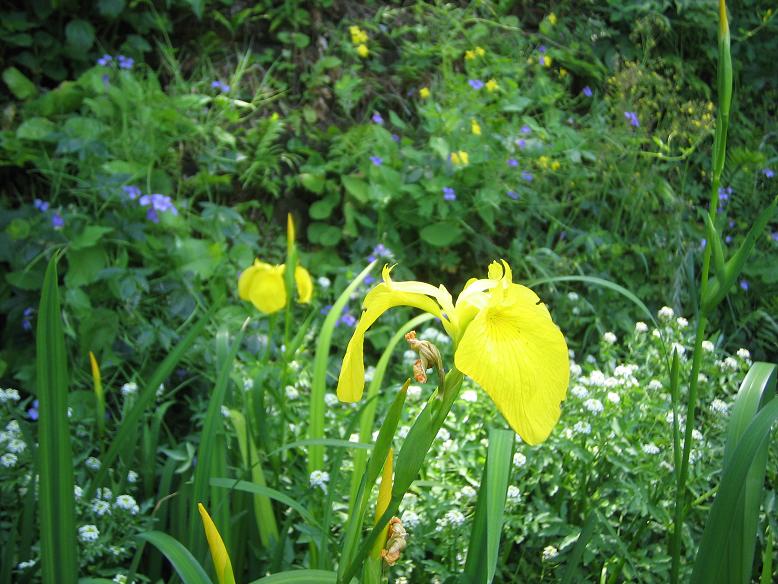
(59, 556)
(482, 553)
(321, 358)
(187, 568)
(572, 571)
(145, 398)
(299, 577)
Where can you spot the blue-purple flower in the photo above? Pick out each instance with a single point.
(223, 87)
(157, 203)
(724, 194)
(27, 318)
(125, 62)
(368, 280)
(131, 191)
(542, 49)
(768, 172)
(41, 205)
(744, 285)
(513, 195)
(377, 119)
(347, 319)
(396, 138)
(521, 143)
(57, 222)
(32, 413)
(376, 160)
(325, 310)
(632, 118)
(526, 129)
(513, 163)
(449, 194)
(475, 84)
(587, 91)
(380, 251)
(527, 176)
(703, 243)
(105, 60)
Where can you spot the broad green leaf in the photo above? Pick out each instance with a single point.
(356, 187)
(19, 84)
(89, 236)
(299, 577)
(441, 234)
(80, 35)
(184, 563)
(37, 129)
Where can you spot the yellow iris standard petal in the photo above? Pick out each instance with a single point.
(264, 287)
(351, 382)
(302, 279)
(219, 555)
(518, 355)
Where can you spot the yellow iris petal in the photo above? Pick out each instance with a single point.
(219, 555)
(518, 355)
(351, 381)
(302, 279)
(263, 285)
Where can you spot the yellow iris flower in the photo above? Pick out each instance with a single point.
(504, 339)
(475, 127)
(219, 555)
(263, 285)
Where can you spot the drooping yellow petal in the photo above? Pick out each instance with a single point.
(219, 555)
(518, 355)
(351, 382)
(263, 285)
(304, 282)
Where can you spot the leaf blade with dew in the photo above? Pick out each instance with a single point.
(710, 555)
(319, 383)
(55, 457)
(183, 562)
(367, 418)
(482, 556)
(144, 398)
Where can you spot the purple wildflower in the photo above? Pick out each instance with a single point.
(632, 117)
(775, 235)
(42, 206)
(542, 60)
(125, 62)
(728, 239)
(106, 79)
(27, 318)
(731, 223)
(152, 215)
(376, 160)
(325, 309)
(724, 193)
(744, 284)
(476, 84)
(513, 195)
(396, 138)
(526, 129)
(223, 87)
(378, 119)
(105, 60)
(158, 202)
(521, 143)
(587, 91)
(368, 280)
(57, 222)
(380, 251)
(32, 413)
(449, 194)
(542, 49)
(347, 319)
(513, 163)
(131, 191)
(768, 172)
(703, 243)
(527, 176)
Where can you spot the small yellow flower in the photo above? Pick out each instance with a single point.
(547, 61)
(563, 72)
(358, 36)
(469, 55)
(475, 127)
(543, 161)
(424, 92)
(555, 165)
(363, 51)
(460, 158)
(552, 19)
(480, 51)
(492, 85)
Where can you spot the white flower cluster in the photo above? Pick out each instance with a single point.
(579, 391)
(728, 363)
(320, 478)
(575, 369)
(291, 392)
(25, 565)
(434, 336)
(549, 553)
(470, 395)
(453, 518)
(410, 519)
(331, 400)
(92, 463)
(414, 391)
(582, 427)
(641, 327)
(594, 406)
(708, 347)
(100, 507)
(719, 407)
(744, 354)
(519, 459)
(666, 313)
(609, 338)
(9, 395)
(514, 495)
(12, 438)
(468, 492)
(651, 448)
(129, 389)
(88, 533)
(127, 503)
(596, 378)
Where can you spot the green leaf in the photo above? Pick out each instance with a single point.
(299, 577)
(356, 187)
(19, 84)
(323, 208)
(324, 234)
(80, 35)
(187, 568)
(56, 505)
(89, 236)
(714, 240)
(110, 8)
(572, 571)
(313, 182)
(84, 265)
(37, 129)
(441, 234)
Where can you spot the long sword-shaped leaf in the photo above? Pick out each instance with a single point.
(146, 397)
(321, 358)
(299, 577)
(55, 456)
(187, 568)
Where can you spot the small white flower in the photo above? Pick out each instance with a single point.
(572, 297)
(100, 507)
(92, 463)
(78, 492)
(682, 322)
(323, 282)
(225, 411)
(731, 363)
(120, 579)
(331, 400)
(7, 395)
(655, 385)
(320, 478)
(354, 437)
(104, 493)
(88, 533)
(611, 382)
(641, 327)
(160, 390)
(702, 378)
(16, 446)
(8, 460)
(25, 565)
(571, 354)
(609, 338)
(656, 333)
(468, 492)
(13, 428)
(132, 477)
(594, 406)
(410, 519)
(514, 495)
(403, 431)
(613, 397)
(707, 346)
(414, 391)
(720, 407)
(696, 434)
(127, 503)
(409, 357)
(666, 313)
(129, 389)
(291, 392)
(116, 550)
(248, 384)
(744, 354)
(596, 378)
(454, 518)
(582, 428)
(470, 395)
(679, 348)
(575, 369)
(443, 435)
(519, 459)
(591, 359)
(549, 553)
(369, 373)
(651, 448)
